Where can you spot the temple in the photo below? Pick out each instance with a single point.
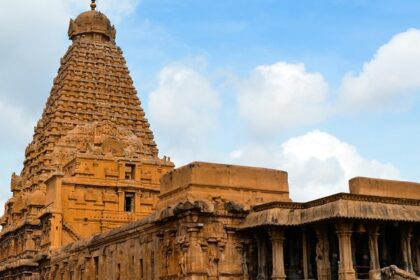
(95, 201)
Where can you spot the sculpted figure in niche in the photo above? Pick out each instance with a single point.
(213, 266)
(245, 261)
(182, 262)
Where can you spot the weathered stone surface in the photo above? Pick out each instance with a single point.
(245, 186)
(384, 188)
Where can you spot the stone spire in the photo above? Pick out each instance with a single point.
(93, 164)
(93, 86)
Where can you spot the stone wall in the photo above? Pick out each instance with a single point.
(190, 242)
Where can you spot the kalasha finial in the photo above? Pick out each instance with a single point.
(93, 5)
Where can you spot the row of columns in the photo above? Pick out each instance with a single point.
(346, 270)
(345, 266)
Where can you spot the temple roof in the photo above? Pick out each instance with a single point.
(338, 206)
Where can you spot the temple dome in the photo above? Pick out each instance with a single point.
(91, 22)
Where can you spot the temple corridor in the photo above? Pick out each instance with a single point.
(336, 250)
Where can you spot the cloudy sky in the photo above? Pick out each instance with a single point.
(326, 90)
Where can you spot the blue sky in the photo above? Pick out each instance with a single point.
(325, 90)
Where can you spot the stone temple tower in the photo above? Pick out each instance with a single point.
(93, 164)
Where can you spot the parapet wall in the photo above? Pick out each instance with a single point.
(240, 184)
(385, 188)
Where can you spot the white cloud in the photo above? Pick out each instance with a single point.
(116, 9)
(183, 110)
(280, 96)
(387, 81)
(318, 164)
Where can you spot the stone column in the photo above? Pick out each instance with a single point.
(373, 247)
(418, 255)
(406, 235)
(345, 270)
(323, 265)
(262, 259)
(277, 241)
(305, 255)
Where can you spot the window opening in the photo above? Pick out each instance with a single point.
(129, 202)
(96, 264)
(141, 269)
(130, 170)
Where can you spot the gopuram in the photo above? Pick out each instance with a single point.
(95, 201)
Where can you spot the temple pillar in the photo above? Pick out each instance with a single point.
(373, 247)
(323, 266)
(374, 272)
(418, 255)
(406, 235)
(305, 255)
(277, 241)
(345, 270)
(262, 258)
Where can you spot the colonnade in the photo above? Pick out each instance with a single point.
(343, 250)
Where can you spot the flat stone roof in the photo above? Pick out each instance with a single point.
(342, 205)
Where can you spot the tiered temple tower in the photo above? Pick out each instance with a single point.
(93, 164)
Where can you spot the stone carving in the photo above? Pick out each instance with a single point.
(16, 183)
(183, 260)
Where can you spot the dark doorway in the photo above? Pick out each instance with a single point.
(390, 245)
(293, 254)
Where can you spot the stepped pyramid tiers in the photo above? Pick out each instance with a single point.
(92, 164)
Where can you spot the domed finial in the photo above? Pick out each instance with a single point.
(93, 5)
